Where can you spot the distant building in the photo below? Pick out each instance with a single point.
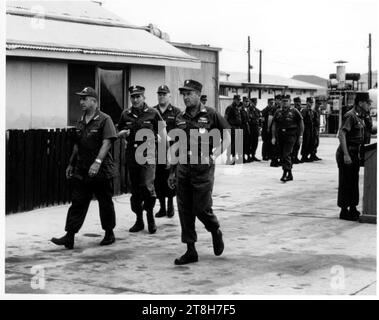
(232, 83)
(55, 48)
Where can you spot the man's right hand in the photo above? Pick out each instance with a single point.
(69, 171)
(347, 159)
(273, 141)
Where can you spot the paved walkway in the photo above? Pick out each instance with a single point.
(280, 239)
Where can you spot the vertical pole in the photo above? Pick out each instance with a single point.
(260, 71)
(369, 62)
(248, 63)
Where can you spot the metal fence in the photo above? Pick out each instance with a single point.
(36, 162)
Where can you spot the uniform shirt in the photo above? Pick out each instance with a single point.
(307, 116)
(316, 119)
(204, 121)
(354, 127)
(169, 116)
(233, 116)
(244, 117)
(89, 138)
(134, 119)
(287, 119)
(254, 116)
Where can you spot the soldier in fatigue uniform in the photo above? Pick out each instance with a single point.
(233, 116)
(203, 99)
(351, 136)
(142, 175)
(274, 147)
(266, 130)
(195, 176)
(246, 128)
(296, 147)
(254, 124)
(287, 126)
(306, 147)
(315, 131)
(168, 113)
(91, 169)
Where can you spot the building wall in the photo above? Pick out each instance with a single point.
(207, 76)
(36, 94)
(150, 78)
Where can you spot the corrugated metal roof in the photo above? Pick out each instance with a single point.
(27, 33)
(273, 80)
(73, 9)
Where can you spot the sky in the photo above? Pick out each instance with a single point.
(296, 37)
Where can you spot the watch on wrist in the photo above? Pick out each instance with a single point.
(98, 161)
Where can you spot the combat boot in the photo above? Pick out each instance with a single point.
(274, 163)
(170, 208)
(138, 226)
(162, 211)
(283, 178)
(189, 257)
(354, 213)
(289, 176)
(150, 221)
(109, 238)
(345, 215)
(67, 240)
(218, 243)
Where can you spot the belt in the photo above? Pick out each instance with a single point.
(288, 129)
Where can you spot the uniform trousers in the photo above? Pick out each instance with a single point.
(194, 198)
(161, 185)
(254, 136)
(82, 194)
(286, 140)
(142, 178)
(348, 178)
(306, 147)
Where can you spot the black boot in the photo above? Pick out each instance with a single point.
(162, 211)
(108, 239)
(170, 207)
(150, 221)
(283, 178)
(138, 226)
(218, 243)
(67, 240)
(189, 257)
(289, 175)
(354, 213)
(346, 215)
(274, 163)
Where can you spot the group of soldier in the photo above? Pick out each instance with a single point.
(91, 168)
(285, 129)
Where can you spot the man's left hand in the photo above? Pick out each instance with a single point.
(94, 169)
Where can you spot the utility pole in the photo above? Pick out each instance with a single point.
(369, 63)
(260, 71)
(248, 63)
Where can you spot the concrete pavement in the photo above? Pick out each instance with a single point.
(280, 239)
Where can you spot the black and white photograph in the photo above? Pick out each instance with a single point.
(189, 150)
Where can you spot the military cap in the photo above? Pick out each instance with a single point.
(203, 97)
(237, 96)
(163, 89)
(362, 96)
(133, 90)
(254, 100)
(88, 92)
(191, 85)
(270, 99)
(278, 97)
(296, 99)
(286, 97)
(309, 99)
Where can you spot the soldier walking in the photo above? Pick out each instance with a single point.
(195, 176)
(287, 125)
(141, 173)
(168, 113)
